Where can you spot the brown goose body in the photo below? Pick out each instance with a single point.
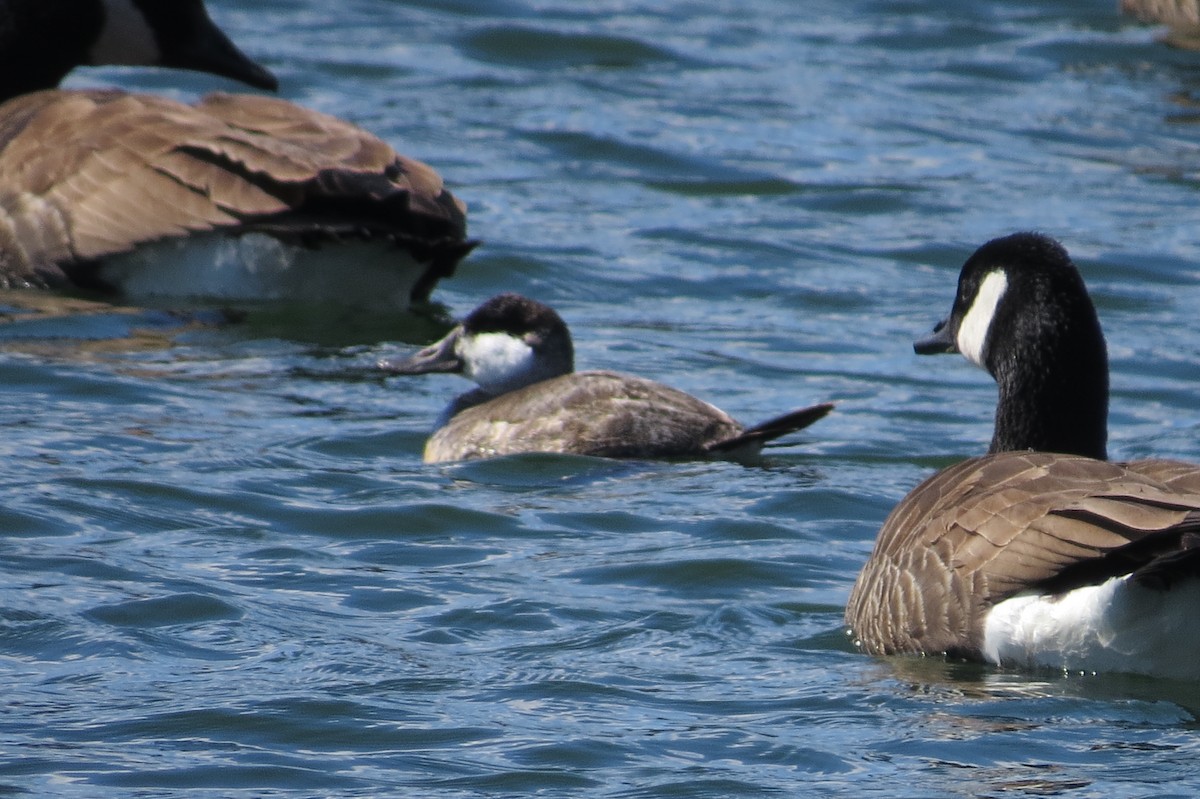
(1041, 553)
(990, 528)
(1179, 14)
(88, 177)
(1182, 18)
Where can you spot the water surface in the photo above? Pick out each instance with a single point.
(224, 568)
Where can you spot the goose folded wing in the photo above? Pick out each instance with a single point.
(87, 174)
(988, 528)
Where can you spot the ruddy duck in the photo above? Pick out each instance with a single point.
(530, 399)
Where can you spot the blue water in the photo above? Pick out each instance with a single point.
(224, 570)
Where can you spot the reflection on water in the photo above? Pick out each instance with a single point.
(53, 325)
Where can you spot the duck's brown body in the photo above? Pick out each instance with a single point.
(604, 414)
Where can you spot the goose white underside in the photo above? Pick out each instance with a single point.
(1117, 626)
(256, 266)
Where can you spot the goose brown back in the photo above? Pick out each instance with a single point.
(89, 174)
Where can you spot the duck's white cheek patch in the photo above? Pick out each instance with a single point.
(498, 362)
(973, 331)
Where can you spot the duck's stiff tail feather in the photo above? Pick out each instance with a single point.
(752, 439)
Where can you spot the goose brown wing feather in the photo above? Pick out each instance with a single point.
(983, 530)
(99, 172)
(304, 141)
(1176, 13)
(1177, 475)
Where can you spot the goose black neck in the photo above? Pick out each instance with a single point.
(1052, 373)
(41, 42)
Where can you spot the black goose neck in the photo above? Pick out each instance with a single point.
(1052, 371)
(40, 42)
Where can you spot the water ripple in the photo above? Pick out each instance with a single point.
(226, 568)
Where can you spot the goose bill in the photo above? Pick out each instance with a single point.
(940, 342)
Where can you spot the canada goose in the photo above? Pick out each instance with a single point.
(102, 189)
(530, 399)
(1040, 553)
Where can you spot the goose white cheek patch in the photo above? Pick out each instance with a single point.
(498, 362)
(973, 331)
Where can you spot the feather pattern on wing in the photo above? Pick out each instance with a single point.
(87, 174)
(981, 531)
